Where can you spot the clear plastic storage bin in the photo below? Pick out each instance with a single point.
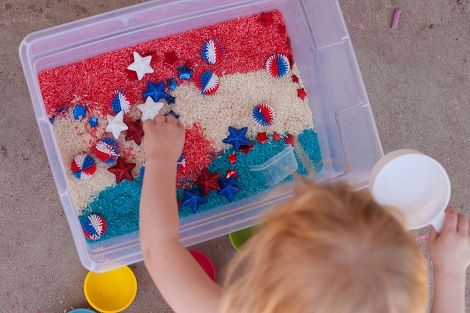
(324, 55)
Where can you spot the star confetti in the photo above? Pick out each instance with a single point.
(236, 138)
(231, 173)
(276, 136)
(193, 199)
(185, 72)
(232, 158)
(228, 188)
(295, 79)
(290, 139)
(208, 181)
(262, 137)
(170, 57)
(141, 65)
(122, 170)
(155, 91)
(266, 18)
(301, 93)
(150, 109)
(135, 132)
(116, 124)
(246, 148)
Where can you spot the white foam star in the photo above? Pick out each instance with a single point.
(116, 124)
(141, 65)
(150, 109)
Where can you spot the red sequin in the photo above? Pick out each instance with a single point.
(231, 173)
(246, 148)
(295, 79)
(232, 158)
(122, 170)
(276, 136)
(301, 93)
(290, 139)
(262, 137)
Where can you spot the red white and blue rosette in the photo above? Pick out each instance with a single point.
(211, 52)
(106, 149)
(208, 83)
(263, 115)
(278, 65)
(94, 226)
(83, 166)
(120, 103)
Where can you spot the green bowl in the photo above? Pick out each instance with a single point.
(238, 238)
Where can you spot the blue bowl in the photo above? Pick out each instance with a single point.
(81, 311)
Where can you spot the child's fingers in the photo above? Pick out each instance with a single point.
(147, 124)
(462, 224)
(432, 236)
(450, 222)
(160, 118)
(171, 119)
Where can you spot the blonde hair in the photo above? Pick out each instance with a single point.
(328, 250)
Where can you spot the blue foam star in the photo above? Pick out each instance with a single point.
(79, 112)
(170, 100)
(236, 138)
(176, 115)
(156, 91)
(193, 199)
(171, 84)
(228, 187)
(185, 72)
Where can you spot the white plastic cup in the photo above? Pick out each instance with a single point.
(415, 184)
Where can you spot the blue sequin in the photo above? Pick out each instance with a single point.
(171, 84)
(93, 121)
(79, 112)
(176, 115)
(185, 72)
(170, 100)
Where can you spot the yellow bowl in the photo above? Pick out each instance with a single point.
(112, 291)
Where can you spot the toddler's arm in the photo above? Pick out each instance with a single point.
(450, 254)
(179, 278)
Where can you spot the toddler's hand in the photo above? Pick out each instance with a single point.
(450, 250)
(164, 139)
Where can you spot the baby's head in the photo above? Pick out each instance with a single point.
(328, 250)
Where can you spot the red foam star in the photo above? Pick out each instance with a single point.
(246, 148)
(135, 131)
(208, 181)
(231, 173)
(266, 18)
(262, 137)
(301, 93)
(122, 170)
(170, 57)
(232, 158)
(295, 79)
(290, 139)
(276, 136)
